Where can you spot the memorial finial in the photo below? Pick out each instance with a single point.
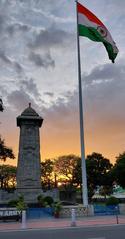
(29, 105)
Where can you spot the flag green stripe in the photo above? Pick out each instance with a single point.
(90, 32)
(94, 35)
(112, 55)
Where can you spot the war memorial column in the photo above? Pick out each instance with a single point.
(28, 168)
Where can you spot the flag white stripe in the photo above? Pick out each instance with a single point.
(83, 20)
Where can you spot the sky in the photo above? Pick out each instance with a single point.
(38, 64)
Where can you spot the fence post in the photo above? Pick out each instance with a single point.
(73, 218)
(116, 213)
(23, 224)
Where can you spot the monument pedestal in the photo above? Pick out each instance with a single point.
(30, 195)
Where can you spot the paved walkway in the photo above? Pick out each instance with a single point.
(62, 223)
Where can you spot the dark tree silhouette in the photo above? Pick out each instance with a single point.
(1, 105)
(7, 177)
(5, 152)
(119, 170)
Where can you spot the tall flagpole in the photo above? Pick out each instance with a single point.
(84, 174)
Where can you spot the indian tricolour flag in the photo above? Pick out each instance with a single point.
(90, 26)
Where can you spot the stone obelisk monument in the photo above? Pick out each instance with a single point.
(28, 168)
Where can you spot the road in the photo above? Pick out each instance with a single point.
(100, 232)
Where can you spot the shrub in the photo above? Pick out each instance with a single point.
(57, 206)
(12, 203)
(112, 201)
(40, 199)
(18, 203)
(48, 200)
(21, 205)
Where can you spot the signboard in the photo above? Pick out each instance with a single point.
(10, 214)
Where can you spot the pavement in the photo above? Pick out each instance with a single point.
(46, 223)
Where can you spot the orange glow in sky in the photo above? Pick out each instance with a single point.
(64, 141)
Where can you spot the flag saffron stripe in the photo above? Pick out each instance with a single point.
(88, 14)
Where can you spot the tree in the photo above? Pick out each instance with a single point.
(1, 105)
(77, 173)
(99, 173)
(119, 170)
(7, 176)
(64, 167)
(5, 152)
(47, 174)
